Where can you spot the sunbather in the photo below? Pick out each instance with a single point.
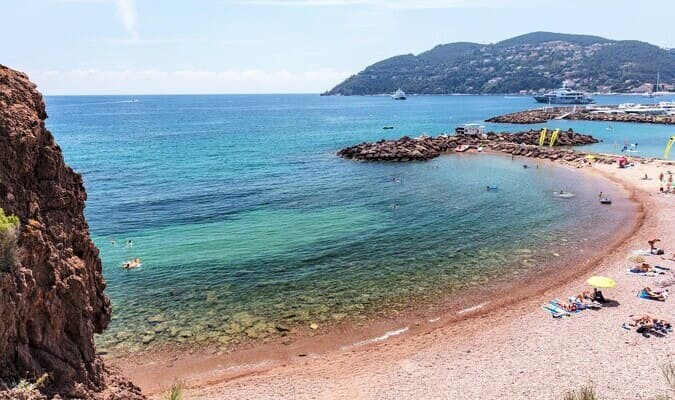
(656, 294)
(644, 267)
(571, 307)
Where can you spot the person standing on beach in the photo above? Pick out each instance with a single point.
(651, 243)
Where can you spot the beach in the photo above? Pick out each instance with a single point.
(515, 350)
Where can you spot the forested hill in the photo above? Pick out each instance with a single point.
(533, 62)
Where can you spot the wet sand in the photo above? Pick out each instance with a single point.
(510, 348)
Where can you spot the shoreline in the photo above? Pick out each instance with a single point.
(545, 358)
(205, 369)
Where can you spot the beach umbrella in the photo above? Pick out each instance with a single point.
(601, 282)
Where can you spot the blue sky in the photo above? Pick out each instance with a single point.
(274, 46)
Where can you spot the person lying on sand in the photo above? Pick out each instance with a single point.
(571, 307)
(640, 320)
(656, 294)
(644, 267)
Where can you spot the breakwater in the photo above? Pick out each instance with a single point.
(610, 114)
(425, 148)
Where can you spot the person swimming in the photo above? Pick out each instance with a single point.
(129, 243)
(135, 263)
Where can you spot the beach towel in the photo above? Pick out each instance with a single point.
(640, 273)
(554, 312)
(644, 295)
(642, 252)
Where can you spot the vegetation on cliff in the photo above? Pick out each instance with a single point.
(535, 61)
(8, 228)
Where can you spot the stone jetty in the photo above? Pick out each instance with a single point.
(425, 148)
(542, 115)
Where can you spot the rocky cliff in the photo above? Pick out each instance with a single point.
(52, 301)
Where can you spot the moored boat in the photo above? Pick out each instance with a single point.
(564, 95)
(398, 95)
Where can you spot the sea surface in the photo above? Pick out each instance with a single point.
(247, 224)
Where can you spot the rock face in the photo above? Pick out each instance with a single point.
(52, 302)
(424, 148)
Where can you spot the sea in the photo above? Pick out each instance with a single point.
(248, 225)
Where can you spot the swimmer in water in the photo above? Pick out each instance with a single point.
(129, 243)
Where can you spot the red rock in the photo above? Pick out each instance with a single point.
(51, 303)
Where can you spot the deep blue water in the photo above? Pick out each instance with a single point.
(242, 214)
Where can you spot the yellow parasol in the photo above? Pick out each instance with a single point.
(590, 157)
(601, 282)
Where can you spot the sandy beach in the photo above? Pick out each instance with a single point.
(515, 351)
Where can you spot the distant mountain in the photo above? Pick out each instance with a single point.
(532, 62)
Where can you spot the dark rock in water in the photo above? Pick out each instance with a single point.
(52, 301)
(542, 115)
(425, 148)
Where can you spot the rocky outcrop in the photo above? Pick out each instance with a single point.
(542, 115)
(424, 148)
(52, 301)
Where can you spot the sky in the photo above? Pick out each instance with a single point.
(274, 46)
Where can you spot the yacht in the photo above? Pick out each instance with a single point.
(564, 95)
(398, 95)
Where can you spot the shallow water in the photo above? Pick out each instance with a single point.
(245, 220)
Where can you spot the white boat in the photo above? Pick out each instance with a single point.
(471, 129)
(398, 95)
(564, 95)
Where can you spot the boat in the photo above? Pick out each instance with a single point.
(388, 127)
(470, 129)
(398, 95)
(462, 148)
(564, 95)
(605, 200)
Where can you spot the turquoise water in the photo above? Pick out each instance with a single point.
(245, 219)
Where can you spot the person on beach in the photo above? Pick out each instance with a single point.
(661, 176)
(652, 248)
(644, 267)
(656, 294)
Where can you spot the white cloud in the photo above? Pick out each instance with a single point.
(126, 10)
(152, 81)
